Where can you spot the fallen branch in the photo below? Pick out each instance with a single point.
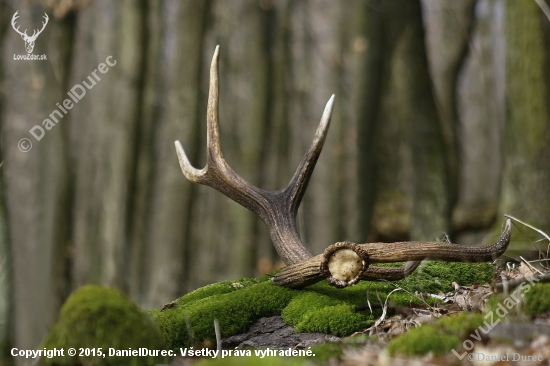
(511, 285)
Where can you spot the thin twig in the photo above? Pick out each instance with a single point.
(384, 309)
(218, 335)
(410, 293)
(521, 222)
(368, 301)
(529, 265)
(529, 226)
(190, 331)
(378, 297)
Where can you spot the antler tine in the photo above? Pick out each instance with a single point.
(13, 21)
(192, 174)
(43, 25)
(37, 32)
(212, 138)
(14, 18)
(298, 184)
(217, 173)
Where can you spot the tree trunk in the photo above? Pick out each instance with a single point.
(482, 109)
(431, 207)
(36, 182)
(171, 111)
(102, 143)
(6, 261)
(526, 176)
(369, 46)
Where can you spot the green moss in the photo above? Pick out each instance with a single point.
(215, 289)
(492, 302)
(461, 324)
(307, 302)
(339, 320)
(439, 338)
(317, 308)
(99, 317)
(433, 277)
(423, 340)
(236, 311)
(537, 299)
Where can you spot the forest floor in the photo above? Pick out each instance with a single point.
(502, 334)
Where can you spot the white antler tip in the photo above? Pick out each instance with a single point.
(191, 173)
(330, 103)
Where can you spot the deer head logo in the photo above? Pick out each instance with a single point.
(29, 41)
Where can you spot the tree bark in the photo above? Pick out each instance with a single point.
(102, 147)
(431, 207)
(482, 110)
(35, 181)
(526, 176)
(369, 47)
(171, 110)
(6, 261)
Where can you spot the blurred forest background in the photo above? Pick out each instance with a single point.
(441, 125)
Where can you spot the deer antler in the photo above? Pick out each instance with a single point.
(343, 264)
(35, 32)
(13, 21)
(315, 269)
(277, 209)
(24, 34)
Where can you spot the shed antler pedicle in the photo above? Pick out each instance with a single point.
(343, 264)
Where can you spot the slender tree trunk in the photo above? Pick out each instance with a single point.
(370, 57)
(6, 285)
(482, 109)
(448, 43)
(526, 176)
(102, 140)
(6, 268)
(431, 208)
(171, 111)
(35, 181)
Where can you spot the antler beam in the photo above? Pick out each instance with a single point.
(343, 264)
(313, 270)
